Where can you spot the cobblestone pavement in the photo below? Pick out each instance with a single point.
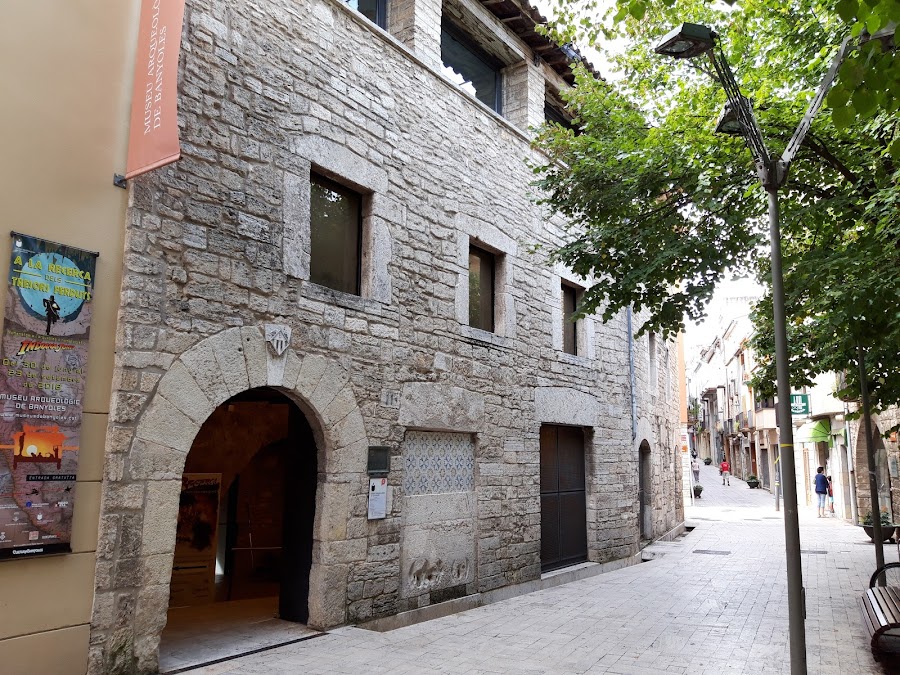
(713, 601)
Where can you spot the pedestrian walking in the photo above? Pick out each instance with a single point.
(821, 490)
(830, 496)
(695, 467)
(725, 470)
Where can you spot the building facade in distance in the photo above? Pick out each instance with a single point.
(343, 378)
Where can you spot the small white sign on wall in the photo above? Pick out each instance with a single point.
(377, 498)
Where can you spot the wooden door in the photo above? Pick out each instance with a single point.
(563, 502)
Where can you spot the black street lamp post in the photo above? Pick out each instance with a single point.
(690, 41)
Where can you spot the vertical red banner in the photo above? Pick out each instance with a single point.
(153, 136)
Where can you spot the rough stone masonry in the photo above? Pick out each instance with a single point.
(218, 247)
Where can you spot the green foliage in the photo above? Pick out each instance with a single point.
(661, 208)
(651, 206)
(867, 83)
(885, 519)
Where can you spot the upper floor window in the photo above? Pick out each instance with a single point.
(335, 235)
(651, 347)
(570, 325)
(470, 67)
(374, 10)
(481, 289)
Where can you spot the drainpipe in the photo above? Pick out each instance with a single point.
(633, 378)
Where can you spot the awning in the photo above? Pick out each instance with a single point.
(814, 432)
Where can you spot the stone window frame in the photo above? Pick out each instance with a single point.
(352, 227)
(498, 43)
(555, 109)
(576, 293)
(316, 155)
(488, 237)
(381, 13)
(483, 256)
(585, 329)
(470, 43)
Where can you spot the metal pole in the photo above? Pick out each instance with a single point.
(778, 481)
(877, 536)
(796, 592)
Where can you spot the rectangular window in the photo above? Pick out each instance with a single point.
(335, 235)
(374, 10)
(570, 334)
(481, 289)
(470, 67)
(651, 346)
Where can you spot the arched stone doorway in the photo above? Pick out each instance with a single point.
(645, 517)
(882, 471)
(243, 547)
(139, 508)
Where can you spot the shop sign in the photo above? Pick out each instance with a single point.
(46, 327)
(799, 404)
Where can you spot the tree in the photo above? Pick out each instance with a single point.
(660, 208)
(868, 81)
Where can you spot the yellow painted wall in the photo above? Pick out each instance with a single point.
(65, 77)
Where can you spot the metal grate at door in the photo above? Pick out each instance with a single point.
(705, 551)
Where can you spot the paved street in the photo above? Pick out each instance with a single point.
(712, 602)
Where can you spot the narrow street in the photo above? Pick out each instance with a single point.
(713, 601)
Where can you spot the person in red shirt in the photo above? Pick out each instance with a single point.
(725, 470)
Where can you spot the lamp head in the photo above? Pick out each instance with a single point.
(687, 41)
(728, 122)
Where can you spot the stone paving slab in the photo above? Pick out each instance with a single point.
(722, 611)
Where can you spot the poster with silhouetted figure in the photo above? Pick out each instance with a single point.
(46, 328)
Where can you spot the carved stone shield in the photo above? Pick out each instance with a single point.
(278, 337)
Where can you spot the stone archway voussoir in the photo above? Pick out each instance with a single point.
(348, 431)
(228, 347)
(163, 422)
(180, 388)
(311, 372)
(332, 381)
(253, 342)
(201, 364)
(148, 460)
(348, 462)
(160, 513)
(286, 377)
(342, 405)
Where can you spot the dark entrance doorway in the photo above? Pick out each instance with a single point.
(563, 503)
(644, 491)
(244, 537)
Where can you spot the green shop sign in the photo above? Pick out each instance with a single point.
(799, 404)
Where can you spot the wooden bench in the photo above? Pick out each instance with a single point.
(881, 617)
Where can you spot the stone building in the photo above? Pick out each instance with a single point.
(341, 268)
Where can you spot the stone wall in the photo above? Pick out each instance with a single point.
(217, 247)
(886, 450)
